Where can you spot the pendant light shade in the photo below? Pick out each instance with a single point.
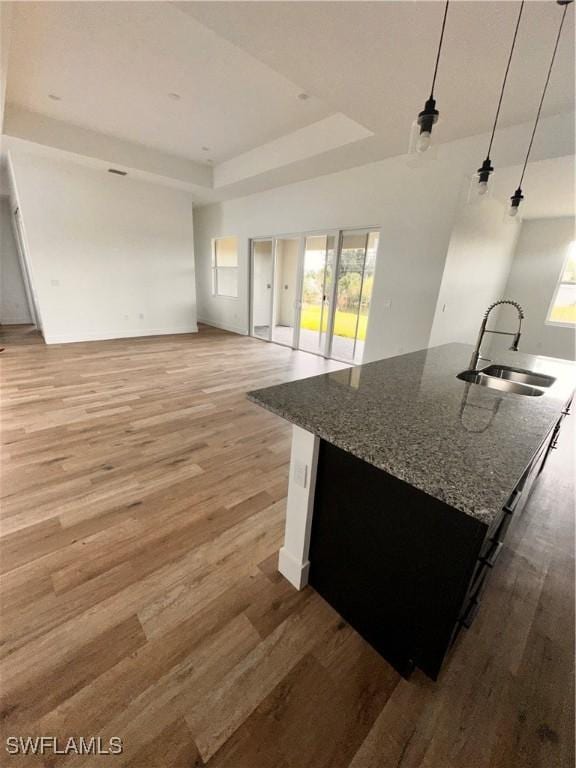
(484, 175)
(515, 201)
(517, 197)
(421, 131)
(426, 120)
(481, 178)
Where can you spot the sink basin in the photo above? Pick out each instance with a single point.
(518, 374)
(501, 384)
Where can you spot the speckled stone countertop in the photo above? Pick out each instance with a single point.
(462, 443)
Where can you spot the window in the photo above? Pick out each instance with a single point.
(225, 267)
(563, 307)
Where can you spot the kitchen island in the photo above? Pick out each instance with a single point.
(403, 482)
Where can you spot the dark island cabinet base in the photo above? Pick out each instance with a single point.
(393, 561)
(402, 568)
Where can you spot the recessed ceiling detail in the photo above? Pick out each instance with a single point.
(120, 63)
(331, 133)
(365, 59)
(267, 92)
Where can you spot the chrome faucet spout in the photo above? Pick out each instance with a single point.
(483, 330)
(514, 346)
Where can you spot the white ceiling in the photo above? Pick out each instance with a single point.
(373, 61)
(114, 63)
(239, 67)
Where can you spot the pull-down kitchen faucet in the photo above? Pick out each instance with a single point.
(476, 354)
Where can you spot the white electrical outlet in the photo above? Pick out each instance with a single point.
(301, 473)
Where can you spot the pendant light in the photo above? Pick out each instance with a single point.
(480, 180)
(517, 197)
(422, 129)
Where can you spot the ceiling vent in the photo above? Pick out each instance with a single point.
(117, 172)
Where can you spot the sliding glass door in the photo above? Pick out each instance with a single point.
(313, 292)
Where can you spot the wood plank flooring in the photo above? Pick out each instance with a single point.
(142, 509)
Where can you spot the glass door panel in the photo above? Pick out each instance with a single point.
(316, 286)
(262, 281)
(287, 252)
(326, 324)
(356, 264)
(366, 295)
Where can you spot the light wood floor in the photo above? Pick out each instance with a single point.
(143, 504)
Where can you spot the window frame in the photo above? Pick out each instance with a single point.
(570, 252)
(214, 268)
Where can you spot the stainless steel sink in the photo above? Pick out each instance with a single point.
(518, 374)
(501, 384)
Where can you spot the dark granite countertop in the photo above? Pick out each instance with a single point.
(410, 416)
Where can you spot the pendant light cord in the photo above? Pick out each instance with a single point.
(505, 78)
(439, 49)
(543, 95)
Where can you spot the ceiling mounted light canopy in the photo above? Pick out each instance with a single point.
(517, 197)
(421, 133)
(481, 178)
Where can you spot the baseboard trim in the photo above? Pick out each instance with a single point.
(224, 326)
(292, 569)
(123, 334)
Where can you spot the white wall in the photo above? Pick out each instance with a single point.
(109, 256)
(14, 308)
(416, 225)
(477, 265)
(4, 180)
(5, 36)
(540, 255)
(22, 127)
(414, 207)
